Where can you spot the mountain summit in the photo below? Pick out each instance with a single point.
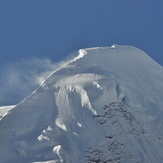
(103, 106)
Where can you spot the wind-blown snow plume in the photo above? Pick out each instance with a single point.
(19, 79)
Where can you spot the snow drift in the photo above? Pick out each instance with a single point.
(105, 105)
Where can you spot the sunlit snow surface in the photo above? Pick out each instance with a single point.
(105, 105)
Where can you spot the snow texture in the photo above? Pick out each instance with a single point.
(103, 106)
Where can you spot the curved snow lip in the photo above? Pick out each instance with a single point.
(79, 79)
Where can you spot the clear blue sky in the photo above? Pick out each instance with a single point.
(55, 28)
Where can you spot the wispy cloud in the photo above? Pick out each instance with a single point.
(21, 78)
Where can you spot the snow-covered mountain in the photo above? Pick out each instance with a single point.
(104, 106)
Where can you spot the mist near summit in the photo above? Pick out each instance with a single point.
(21, 78)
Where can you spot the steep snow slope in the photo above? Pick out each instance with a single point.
(105, 105)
